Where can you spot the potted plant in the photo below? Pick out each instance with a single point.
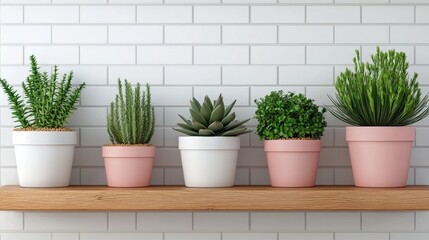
(379, 99)
(209, 154)
(44, 148)
(291, 126)
(130, 125)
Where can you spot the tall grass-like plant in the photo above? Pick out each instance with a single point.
(379, 93)
(131, 116)
(47, 103)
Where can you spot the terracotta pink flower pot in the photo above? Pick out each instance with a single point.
(380, 156)
(128, 166)
(292, 163)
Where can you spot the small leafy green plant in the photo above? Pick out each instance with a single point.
(379, 93)
(289, 116)
(211, 119)
(131, 118)
(47, 103)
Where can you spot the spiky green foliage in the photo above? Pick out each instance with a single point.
(289, 116)
(131, 116)
(47, 102)
(379, 93)
(211, 119)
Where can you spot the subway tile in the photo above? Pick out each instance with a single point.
(164, 14)
(333, 14)
(192, 75)
(334, 157)
(192, 34)
(53, 54)
(306, 236)
(174, 176)
(152, 75)
(65, 236)
(422, 13)
(221, 55)
(164, 221)
(122, 221)
(229, 94)
(135, 34)
(325, 176)
(227, 221)
(331, 54)
(84, 116)
(306, 34)
(11, 54)
(107, 55)
(164, 55)
(221, 14)
(422, 54)
(409, 236)
(11, 221)
(409, 34)
(249, 34)
(25, 236)
(8, 176)
(88, 157)
(249, 75)
(259, 176)
(362, 34)
(320, 95)
(306, 75)
(387, 14)
(242, 176)
(11, 14)
(344, 176)
(249, 236)
(277, 55)
(328, 222)
(20, 34)
(93, 137)
(51, 14)
(358, 236)
(93, 176)
(57, 222)
(422, 221)
(79, 34)
(122, 236)
(91, 75)
(277, 14)
(192, 236)
(107, 14)
(388, 221)
(277, 221)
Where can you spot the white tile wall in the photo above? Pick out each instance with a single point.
(184, 48)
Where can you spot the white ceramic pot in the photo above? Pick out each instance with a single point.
(44, 158)
(209, 161)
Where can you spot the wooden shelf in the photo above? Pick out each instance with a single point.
(244, 198)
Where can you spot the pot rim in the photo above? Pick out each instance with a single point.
(209, 143)
(43, 138)
(380, 133)
(292, 145)
(128, 151)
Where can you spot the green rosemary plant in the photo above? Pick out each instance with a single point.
(289, 116)
(47, 103)
(131, 116)
(379, 93)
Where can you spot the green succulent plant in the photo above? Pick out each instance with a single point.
(131, 116)
(289, 116)
(379, 93)
(211, 119)
(47, 103)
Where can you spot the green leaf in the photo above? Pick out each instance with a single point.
(217, 114)
(228, 119)
(195, 105)
(206, 112)
(216, 126)
(236, 132)
(229, 108)
(196, 116)
(198, 125)
(208, 102)
(206, 132)
(186, 131)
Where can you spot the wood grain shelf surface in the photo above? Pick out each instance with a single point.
(240, 198)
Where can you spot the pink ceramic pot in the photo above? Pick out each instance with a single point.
(292, 163)
(128, 166)
(380, 156)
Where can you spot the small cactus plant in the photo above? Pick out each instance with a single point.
(211, 119)
(131, 116)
